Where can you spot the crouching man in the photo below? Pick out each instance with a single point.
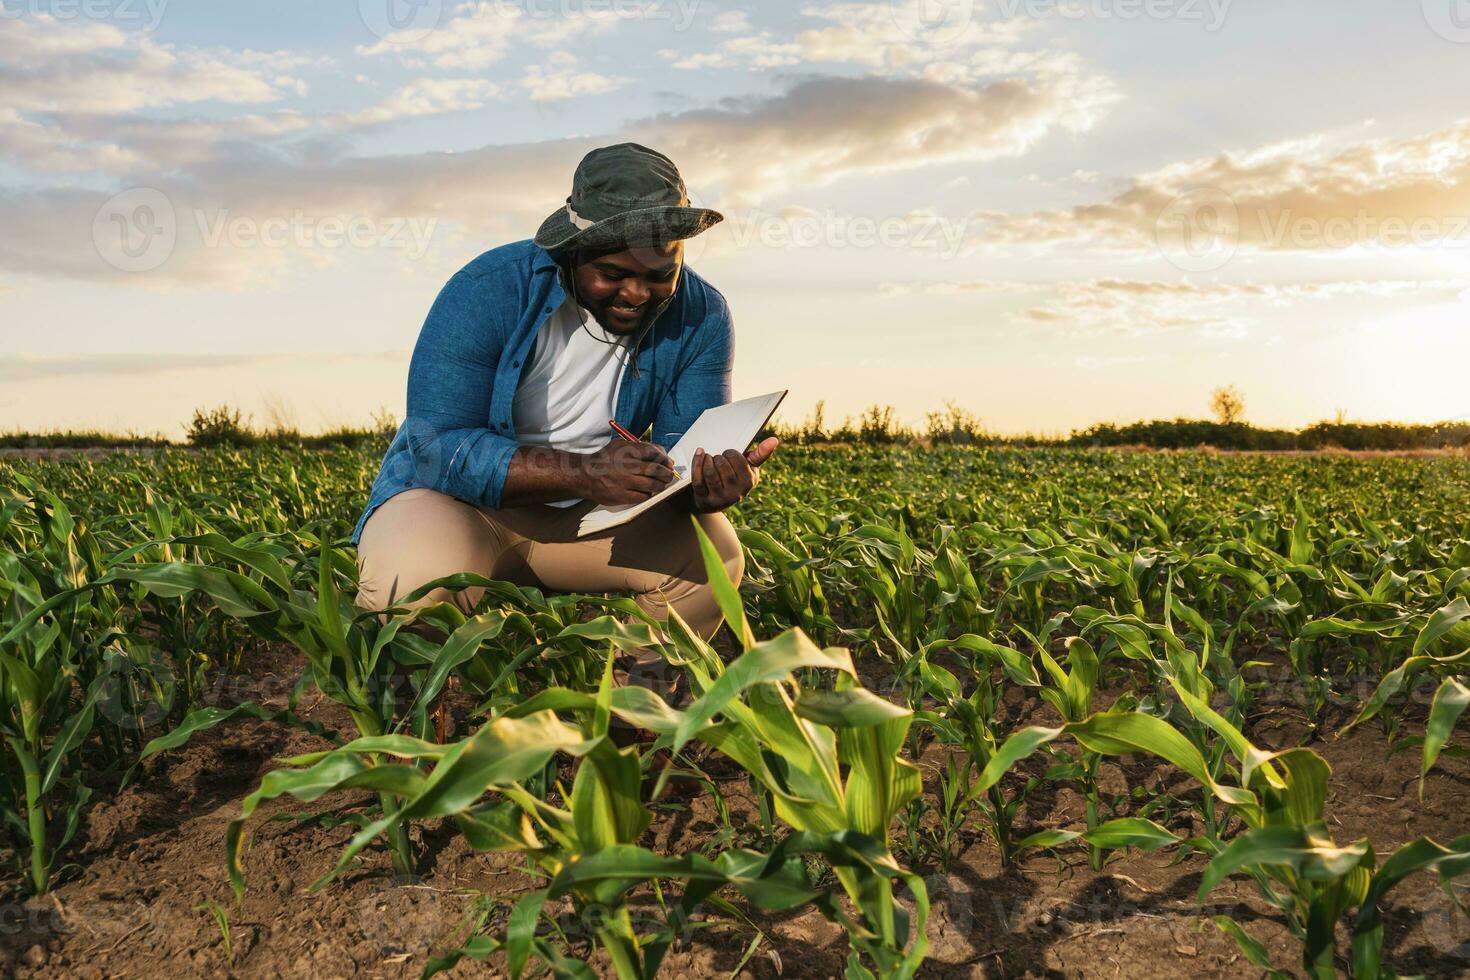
(526, 356)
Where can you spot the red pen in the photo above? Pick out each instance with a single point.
(622, 431)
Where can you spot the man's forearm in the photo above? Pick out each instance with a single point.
(539, 475)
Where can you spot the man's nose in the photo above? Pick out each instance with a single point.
(634, 293)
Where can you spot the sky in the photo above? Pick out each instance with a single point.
(1048, 213)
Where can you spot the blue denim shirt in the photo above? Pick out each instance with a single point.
(458, 437)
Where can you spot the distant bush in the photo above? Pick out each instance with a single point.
(71, 439)
(957, 426)
(1385, 436)
(1185, 434)
(876, 425)
(226, 426)
(222, 426)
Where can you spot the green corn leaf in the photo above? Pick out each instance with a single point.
(638, 706)
(1253, 950)
(1307, 851)
(855, 707)
(1130, 832)
(606, 808)
(520, 931)
(1450, 701)
(1044, 839)
(257, 558)
(879, 781)
(1422, 854)
(726, 595)
(610, 629)
(1013, 750)
(462, 645)
(202, 719)
(498, 827)
(768, 662)
(303, 784)
(1443, 620)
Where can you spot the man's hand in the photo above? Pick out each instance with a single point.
(723, 480)
(624, 472)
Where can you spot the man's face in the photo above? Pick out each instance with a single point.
(622, 289)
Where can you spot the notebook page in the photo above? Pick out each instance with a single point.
(723, 427)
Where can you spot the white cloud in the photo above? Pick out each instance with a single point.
(421, 97)
(52, 66)
(481, 33)
(815, 132)
(559, 80)
(730, 22)
(1302, 195)
(885, 37)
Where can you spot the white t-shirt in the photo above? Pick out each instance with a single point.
(569, 389)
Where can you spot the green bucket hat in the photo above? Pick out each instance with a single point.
(625, 195)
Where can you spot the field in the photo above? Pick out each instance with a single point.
(979, 712)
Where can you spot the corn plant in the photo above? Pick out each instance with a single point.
(51, 672)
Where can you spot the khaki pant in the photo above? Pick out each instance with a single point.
(421, 535)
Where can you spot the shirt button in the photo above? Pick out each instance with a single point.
(515, 363)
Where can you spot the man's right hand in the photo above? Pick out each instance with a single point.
(624, 472)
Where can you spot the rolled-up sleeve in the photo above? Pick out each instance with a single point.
(451, 380)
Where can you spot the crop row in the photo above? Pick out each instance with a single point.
(908, 601)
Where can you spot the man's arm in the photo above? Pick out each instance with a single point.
(450, 381)
(621, 472)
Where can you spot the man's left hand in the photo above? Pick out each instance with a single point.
(723, 480)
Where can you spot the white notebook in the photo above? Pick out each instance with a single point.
(723, 427)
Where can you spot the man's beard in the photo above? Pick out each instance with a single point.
(649, 312)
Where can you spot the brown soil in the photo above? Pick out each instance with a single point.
(132, 901)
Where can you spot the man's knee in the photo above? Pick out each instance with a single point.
(413, 540)
(388, 583)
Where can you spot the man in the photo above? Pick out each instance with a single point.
(526, 355)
